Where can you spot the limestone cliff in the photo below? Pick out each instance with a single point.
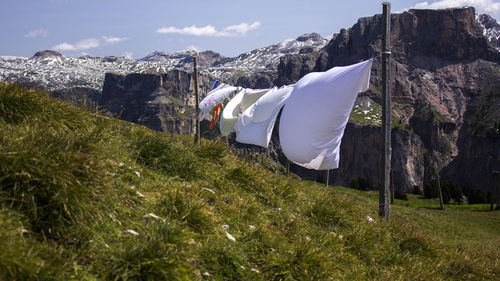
(446, 74)
(163, 102)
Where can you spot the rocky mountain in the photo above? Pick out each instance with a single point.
(184, 60)
(491, 29)
(256, 68)
(445, 93)
(163, 102)
(51, 71)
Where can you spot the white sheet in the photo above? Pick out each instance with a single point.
(233, 109)
(213, 98)
(256, 123)
(315, 115)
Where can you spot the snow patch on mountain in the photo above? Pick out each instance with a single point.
(51, 71)
(56, 73)
(491, 29)
(259, 60)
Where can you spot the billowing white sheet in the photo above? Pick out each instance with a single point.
(213, 98)
(256, 123)
(315, 115)
(233, 109)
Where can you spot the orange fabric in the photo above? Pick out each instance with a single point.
(215, 115)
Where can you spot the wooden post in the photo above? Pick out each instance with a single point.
(384, 209)
(392, 188)
(494, 195)
(441, 203)
(197, 103)
(327, 177)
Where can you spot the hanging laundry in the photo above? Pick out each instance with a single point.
(233, 109)
(213, 98)
(215, 116)
(316, 113)
(214, 84)
(256, 123)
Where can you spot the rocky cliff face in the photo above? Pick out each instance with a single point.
(491, 29)
(163, 102)
(444, 71)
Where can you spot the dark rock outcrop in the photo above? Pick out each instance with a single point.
(78, 95)
(163, 102)
(258, 81)
(46, 54)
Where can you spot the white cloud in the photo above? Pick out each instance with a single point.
(190, 30)
(240, 29)
(208, 30)
(128, 55)
(81, 45)
(89, 43)
(112, 39)
(482, 6)
(193, 48)
(327, 36)
(36, 33)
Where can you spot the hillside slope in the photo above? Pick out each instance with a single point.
(85, 197)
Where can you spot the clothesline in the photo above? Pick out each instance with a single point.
(315, 113)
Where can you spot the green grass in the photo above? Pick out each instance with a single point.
(371, 115)
(84, 197)
(462, 225)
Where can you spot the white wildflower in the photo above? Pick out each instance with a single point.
(251, 227)
(370, 219)
(130, 231)
(209, 190)
(254, 270)
(230, 237)
(138, 174)
(151, 216)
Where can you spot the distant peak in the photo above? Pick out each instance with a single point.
(47, 54)
(491, 29)
(158, 53)
(307, 36)
(487, 21)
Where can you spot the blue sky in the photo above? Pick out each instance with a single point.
(137, 28)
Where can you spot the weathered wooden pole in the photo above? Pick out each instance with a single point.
(327, 177)
(384, 209)
(494, 190)
(441, 202)
(392, 188)
(197, 103)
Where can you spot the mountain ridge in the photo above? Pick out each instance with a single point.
(51, 71)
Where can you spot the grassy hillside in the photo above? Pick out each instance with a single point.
(85, 197)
